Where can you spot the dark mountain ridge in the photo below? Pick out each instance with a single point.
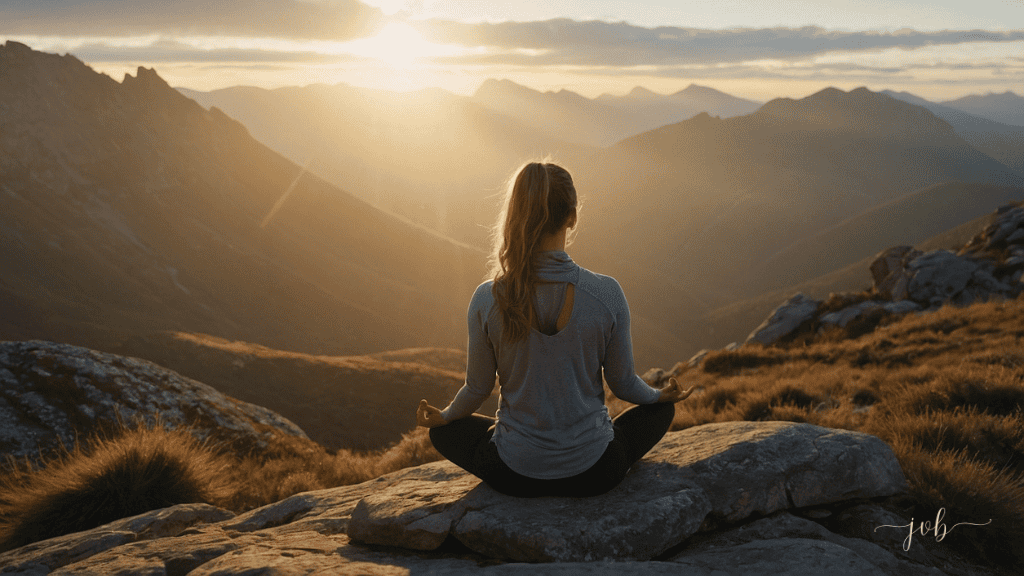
(705, 202)
(129, 208)
(1004, 142)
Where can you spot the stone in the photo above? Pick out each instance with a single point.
(843, 317)
(890, 278)
(901, 307)
(1016, 237)
(939, 276)
(785, 525)
(984, 280)
(781, 557)
(888, 262)
(70, 548)
(785, 319)
(52, 393)
(726, 471)
(414, 514)
(698, 358)
(1000, 230)
(1013, 261)
(630, 522)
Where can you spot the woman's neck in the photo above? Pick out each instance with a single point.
(554, 241)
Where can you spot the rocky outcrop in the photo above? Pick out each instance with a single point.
(53, 393)
(720, 472)
(908, 280)
(789, 316)
(708, 500)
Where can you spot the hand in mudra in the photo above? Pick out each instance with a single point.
(428, 416)
(673, 392)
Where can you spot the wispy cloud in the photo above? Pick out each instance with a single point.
(596, 43)
(175, 51)
(295, 19)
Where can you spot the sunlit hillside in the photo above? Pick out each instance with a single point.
(439, 159)
(354, 402)
(129, 209)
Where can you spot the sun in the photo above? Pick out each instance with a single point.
(398, 44)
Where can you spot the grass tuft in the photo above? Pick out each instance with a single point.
(117, 477)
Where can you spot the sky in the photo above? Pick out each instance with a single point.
(937, 49)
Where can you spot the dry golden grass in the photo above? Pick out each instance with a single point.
(142, 469)
(258, 481)
(116, 477)
(945, 390)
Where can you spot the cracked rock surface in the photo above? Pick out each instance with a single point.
(709, 500)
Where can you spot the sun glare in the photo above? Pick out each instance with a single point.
(397, 44)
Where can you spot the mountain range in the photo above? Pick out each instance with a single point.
(156, 210)
(128, 208)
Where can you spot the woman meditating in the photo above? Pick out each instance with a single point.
(549, 329)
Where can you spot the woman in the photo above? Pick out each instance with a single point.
(548, 328)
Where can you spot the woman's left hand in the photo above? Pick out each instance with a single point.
(673, 392)
(428, 416)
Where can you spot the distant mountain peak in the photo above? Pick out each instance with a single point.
(641, 93)
(859, 110)
(492, 87)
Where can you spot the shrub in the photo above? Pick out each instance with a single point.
(125, 475)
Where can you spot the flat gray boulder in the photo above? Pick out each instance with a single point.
(731, 475)
(728, 471)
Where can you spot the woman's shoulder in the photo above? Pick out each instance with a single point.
(603, 288)
(483, 297)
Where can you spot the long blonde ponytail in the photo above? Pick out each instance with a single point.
(539, 201)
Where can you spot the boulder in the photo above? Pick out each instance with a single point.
(698, 358)
(743, 476)
(938, 276)
(52, 393)
(785, 319)
(843, 317)
(888, 271)
(728, 471)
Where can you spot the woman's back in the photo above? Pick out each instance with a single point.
(552, 421)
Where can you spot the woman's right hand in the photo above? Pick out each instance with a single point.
(428, 416)
(673, 392)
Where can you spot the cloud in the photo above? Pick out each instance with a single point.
(293, 19)
(596, 43)
(825, 72)
(173, 51)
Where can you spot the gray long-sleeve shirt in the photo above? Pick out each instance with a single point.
(551, 420)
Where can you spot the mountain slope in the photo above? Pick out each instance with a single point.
(129, 208)
(714, 197)
(1004, 142)
(363, 402)
(432, 156)
(904, 221)
(700, 205)
(1007, 108)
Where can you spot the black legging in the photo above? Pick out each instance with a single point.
(467, 443)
